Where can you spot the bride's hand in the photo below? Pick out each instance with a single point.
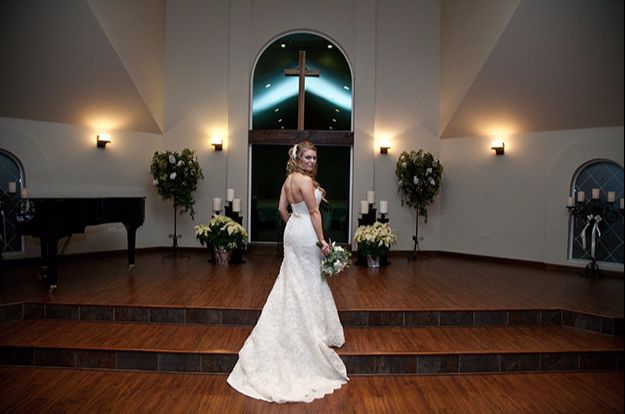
(325, 248)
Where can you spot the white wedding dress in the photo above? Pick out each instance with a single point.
(287, 357)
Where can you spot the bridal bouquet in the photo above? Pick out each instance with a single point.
(335, 262)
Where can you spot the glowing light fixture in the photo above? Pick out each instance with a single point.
(218, 143)
(498, 147)
(103, 139)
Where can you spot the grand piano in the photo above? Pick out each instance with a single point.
(51, 219)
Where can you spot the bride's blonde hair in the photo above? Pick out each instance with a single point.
(293, 164)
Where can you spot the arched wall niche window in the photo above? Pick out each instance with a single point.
(12, 180)
(606, 175)
(276, 123)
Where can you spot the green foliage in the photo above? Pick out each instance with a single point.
(176, 177)
(419, 177)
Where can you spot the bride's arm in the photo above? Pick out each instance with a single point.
(283, 205)
(308, 192)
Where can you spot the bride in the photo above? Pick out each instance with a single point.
(287, 357)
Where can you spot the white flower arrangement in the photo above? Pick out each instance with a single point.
(375, 240)
(176, 176)
(222, 231)
(419, 175)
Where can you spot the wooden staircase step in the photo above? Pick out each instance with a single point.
(207, 348)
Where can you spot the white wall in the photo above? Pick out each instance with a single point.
(513, 205)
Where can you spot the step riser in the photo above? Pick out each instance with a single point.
(246, 317)
(356, 364)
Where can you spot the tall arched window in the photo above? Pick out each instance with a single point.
(278, 121)
(11, 182)
(607, 176)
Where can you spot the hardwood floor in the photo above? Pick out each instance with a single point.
(432, 318)
(53, 390)
(435, 283)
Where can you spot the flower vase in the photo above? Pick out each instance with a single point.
(222, 256)
(373, 262)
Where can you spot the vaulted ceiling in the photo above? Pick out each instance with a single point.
(507, 66)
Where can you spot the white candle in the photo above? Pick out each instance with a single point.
(24, 192)
(595, 194)
(364, 207)
(611, 196)
(12, 187)
(383, 206)
(570, 202)
(236, 205)
(370, 197)
(581, 196)
(230, 194)
(216, 204)
(621, 203)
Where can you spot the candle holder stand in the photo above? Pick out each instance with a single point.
(594, 211)
(237, 254)
(368, 219)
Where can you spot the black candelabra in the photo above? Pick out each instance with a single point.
(237, 254)
(593, 212)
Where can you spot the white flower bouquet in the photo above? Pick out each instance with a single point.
(337, 260)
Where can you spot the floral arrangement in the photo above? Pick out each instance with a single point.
(419, 174)
(222, 231)
(375, 240)
(335, 262)
(176, 176)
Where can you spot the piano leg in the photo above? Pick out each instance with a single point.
(44, 259)
(131, 231)
(52, 260)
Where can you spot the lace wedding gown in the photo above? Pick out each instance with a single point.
(287, 357)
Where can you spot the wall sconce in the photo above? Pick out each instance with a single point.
(218, 143)
(103, 139)
(384, 149)
(498, 147)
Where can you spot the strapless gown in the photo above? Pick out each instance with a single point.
(287, 357)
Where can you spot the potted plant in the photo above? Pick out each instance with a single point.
(224, 234)
(419, 176)
(374, 241)
(175, 176)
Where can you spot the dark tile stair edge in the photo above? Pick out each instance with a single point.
(223, 363)
(349, 318)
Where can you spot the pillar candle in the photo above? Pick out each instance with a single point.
(24, 192)
(570, 202)
(581, 196)
(364, 207)
(370, 197)
(12, 187)
(611, 196)
(230, 194)
(383, 207)
(216, 204)
(236, 205)
(595, 194)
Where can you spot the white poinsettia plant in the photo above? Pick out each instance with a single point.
(375, 240)
(175, 175)
(222, 231)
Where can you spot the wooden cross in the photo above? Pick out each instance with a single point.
(301, 72)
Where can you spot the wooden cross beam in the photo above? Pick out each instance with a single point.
(301, 72)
